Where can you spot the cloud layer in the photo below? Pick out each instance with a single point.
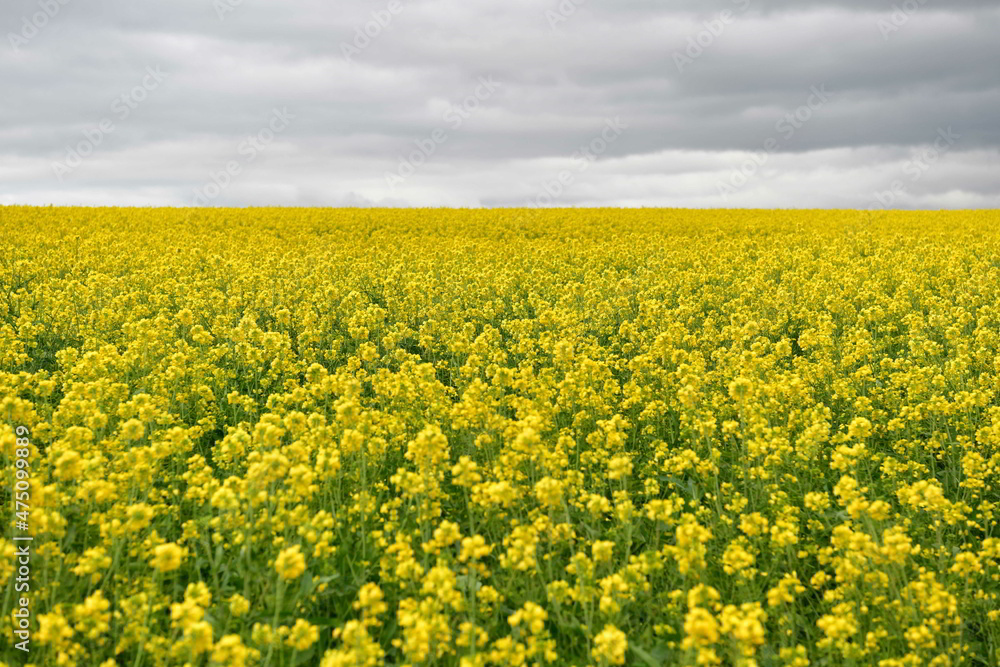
(815, 103)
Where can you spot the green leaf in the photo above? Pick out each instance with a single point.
(644, 656)
(307, 585)
(306, 657)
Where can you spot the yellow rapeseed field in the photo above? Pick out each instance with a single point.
(511, 437)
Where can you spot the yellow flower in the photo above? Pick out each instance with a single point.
(859, 428)
(530, 616)
(290, 563)
(610, 645)
(700, 628)
(133, 429)
(737, 560)
(238, 605)
(262, 634)
(464, 473)
(200, 637)
(303, 635)
(474, 548)
(549, 492)
(619, 466)
(93, 616)
(231, 651)
(371, 603)
(168, 557)
(739, 389)
(601, 550)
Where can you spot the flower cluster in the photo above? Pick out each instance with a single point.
(592, 437)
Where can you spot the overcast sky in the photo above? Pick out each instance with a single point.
(694, 103)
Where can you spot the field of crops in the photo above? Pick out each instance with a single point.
(499, 437)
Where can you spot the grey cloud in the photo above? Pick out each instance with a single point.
(687, 129)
